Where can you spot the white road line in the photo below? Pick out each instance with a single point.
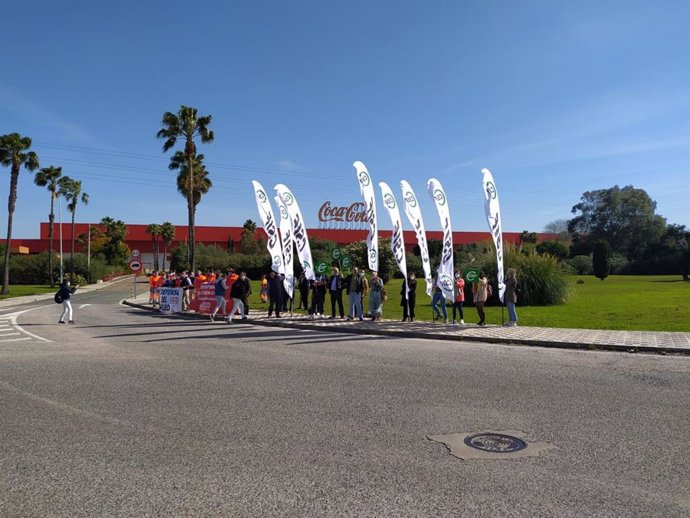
(15, 339)
(12, 317)
(10, 334)
(84, 305)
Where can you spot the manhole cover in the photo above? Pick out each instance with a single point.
(495, 442)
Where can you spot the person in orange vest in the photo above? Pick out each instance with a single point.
(211, 277)
(264, 289)
(153, 285)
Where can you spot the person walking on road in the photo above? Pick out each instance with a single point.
(221, 288)
(237, 292)
(65, 293)
(244, 289)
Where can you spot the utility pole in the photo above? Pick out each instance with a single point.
(62, 271)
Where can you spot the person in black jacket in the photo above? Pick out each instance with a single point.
(303, 292)
(318, 296)
(275, 291)
(409, 301)
(335, 288)
(237, 292)
(64, 294)
(244, 289)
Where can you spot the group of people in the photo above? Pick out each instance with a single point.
(240, 288)
(239, 285)
(313, 293)
(481, 292)
(358, 289)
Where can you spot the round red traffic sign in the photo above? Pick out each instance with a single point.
(135, 265)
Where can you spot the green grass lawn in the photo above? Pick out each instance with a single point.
(641, 303)
(28, 289)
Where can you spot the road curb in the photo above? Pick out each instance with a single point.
(436, 335)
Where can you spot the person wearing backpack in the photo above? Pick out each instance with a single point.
(63, 296)
(480, 294)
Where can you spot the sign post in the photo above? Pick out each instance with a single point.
(135, 267)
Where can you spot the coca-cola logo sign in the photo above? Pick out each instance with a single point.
(356, 212)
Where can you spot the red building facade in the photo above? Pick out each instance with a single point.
(138, 239)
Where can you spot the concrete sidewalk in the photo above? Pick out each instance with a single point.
(591, 339)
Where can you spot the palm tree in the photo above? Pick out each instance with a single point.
(49, 177)
(186, 124)
(71, 190)
(201, 183)
(168, 235)
(154, 230)
(14, 154)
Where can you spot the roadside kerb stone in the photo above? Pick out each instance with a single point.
(588, 339)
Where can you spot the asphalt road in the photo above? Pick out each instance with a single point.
(132, 414)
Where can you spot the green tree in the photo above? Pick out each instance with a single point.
(187, 125)
(113, 249)
(201, 183)
(49, 177)
(71, 190)
(154, 230)
(248, 243)
(624, 218)
(168, 236)
(14, 153)
(601, 259)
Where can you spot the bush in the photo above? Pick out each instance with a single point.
(540, 277)
(554, 248)
(581, 264)
(31, 269)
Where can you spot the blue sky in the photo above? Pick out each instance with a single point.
(555, 97)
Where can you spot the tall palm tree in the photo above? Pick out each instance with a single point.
(154, 230)
(13, 154)
(71, 190)
(197, 177)
(49, 177)
(186, 124)
(168, 235)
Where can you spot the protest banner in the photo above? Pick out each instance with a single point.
(171, 300)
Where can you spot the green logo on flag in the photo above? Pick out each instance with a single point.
(322, 268)
(346, 261)
(336, 253)
(471, 275)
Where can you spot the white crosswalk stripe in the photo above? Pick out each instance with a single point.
(11, 331)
